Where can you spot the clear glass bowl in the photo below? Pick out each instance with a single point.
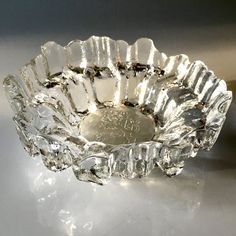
(104, 107)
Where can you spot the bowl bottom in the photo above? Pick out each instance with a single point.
(118, 125)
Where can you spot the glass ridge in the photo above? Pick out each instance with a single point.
(104, 107)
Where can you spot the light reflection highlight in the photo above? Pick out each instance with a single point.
(77, 208)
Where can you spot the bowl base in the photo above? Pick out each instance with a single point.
(118, 125)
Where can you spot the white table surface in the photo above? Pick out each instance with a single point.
(35, 201)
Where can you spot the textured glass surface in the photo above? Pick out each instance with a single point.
(104, 108)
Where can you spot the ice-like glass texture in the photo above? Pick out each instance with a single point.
(104, 107)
